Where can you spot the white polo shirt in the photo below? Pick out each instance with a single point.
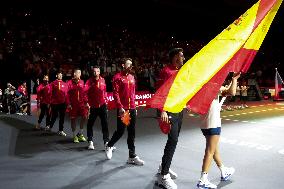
(213, 117)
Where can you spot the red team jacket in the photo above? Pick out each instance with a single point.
(124, 90)
(58, 90)
(165, 74)
(43, 93)
(76, 95)
(96, 92)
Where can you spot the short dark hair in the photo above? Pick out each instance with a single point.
(76, 69)
(123, 60)
(174, 52)
(96, 66)
(59, 72)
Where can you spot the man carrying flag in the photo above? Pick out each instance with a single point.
(174, 119)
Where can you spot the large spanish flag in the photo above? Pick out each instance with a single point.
(199, 80)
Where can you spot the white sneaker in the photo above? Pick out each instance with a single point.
(108, 151)
(113, 148)
(172, 174)
(43, 127)
(37, 126)
(136, 161)
(205, 185)
(227, 173)
(47, 128)
(91, 145)
(61, 133)
(165, 181)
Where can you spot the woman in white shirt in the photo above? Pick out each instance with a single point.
(211, 129)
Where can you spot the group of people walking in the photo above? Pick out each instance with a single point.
(88, 101)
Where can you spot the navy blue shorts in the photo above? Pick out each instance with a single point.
(211, 131)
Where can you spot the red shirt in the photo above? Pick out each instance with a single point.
(23, 90)
(124, 90)
(76, 93)
(58, 92)
(165, 74)
(96, 92)
(43, 93)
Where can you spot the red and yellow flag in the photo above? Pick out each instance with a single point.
(278, 85)
(199, 80)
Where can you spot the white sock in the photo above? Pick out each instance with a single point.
(81, 131)
(204, 176)
(222, 168)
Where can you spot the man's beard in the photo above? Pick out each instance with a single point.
(76, 80)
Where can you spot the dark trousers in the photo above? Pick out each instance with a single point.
(131, 133)
(55, 109)
(102, 112)
(44, 110)
(176, 122)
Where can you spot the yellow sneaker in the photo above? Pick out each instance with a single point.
(81, 138)
(75, 139)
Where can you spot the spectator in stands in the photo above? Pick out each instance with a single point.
(26, 105)
(244, 94)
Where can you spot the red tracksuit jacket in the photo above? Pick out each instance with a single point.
(96, 92)
(43, 93)
(58, 90)
(124, 90)
(76, 95)
(165, 74)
